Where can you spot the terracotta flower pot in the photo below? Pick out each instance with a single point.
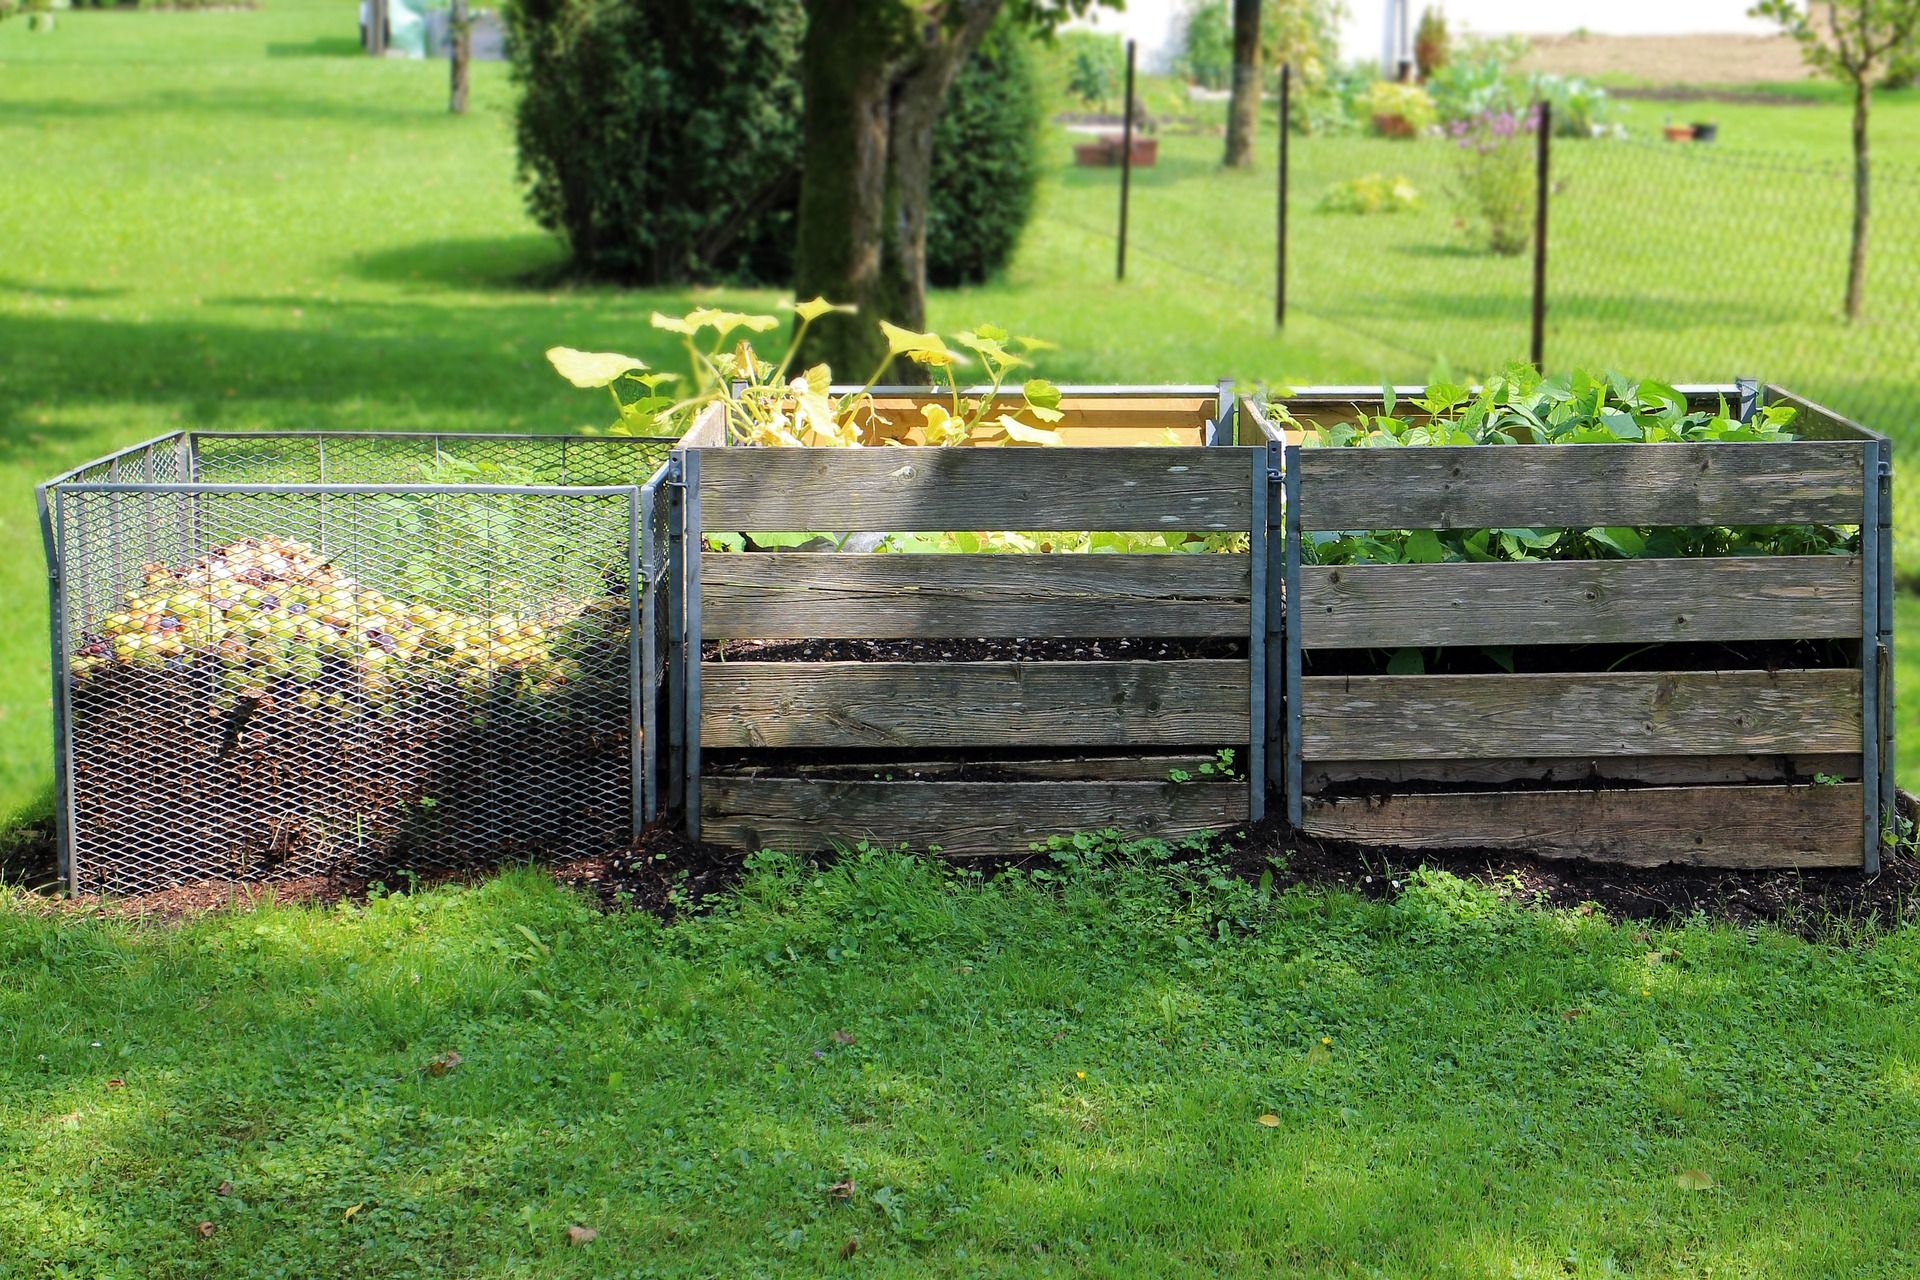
(1679, 133)
(1106, 150)
(1394, 126)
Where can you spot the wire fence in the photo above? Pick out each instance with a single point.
(1685, 261)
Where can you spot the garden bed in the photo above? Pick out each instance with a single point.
(347, 655)
(1728, 710)
(974, 702)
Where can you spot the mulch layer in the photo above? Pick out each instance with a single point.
(667, 874)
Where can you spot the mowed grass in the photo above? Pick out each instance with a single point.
(887, 1069)
(232, 220)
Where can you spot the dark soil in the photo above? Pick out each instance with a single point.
(1100, 650)
(1778, 655)
(667, 874)
(1818, 905)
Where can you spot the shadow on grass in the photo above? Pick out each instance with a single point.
(318, 47)
(494, 262)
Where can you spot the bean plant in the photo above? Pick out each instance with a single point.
(1522, 407)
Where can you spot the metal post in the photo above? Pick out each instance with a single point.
(691, 674)
(1270, 605)
(1226, 416)
(676, 630)
(1280, 258)
(639, 512)
(53, 540)
(1870, 530)
(1126, 168)
(1888, 685)
(1748, 390)
(1542, 152)
(1257, 641)
(1290, 477)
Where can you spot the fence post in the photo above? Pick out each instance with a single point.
(1280, 263)
(1542, 149)
(1126, 168)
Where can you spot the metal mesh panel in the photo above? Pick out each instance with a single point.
(353, 457)
(265, 683)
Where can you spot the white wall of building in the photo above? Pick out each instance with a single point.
(1360, 35)
(1157, 24)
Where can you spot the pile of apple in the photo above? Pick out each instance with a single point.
(270, 613)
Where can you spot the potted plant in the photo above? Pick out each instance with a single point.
(1398, 110)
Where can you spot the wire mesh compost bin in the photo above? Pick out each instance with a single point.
(293, 654)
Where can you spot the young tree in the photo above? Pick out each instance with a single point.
(1852, 41)
(1243, 108)
(874, 74)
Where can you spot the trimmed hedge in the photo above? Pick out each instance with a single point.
(986, 161)
(660, 139)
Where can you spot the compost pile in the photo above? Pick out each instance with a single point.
(258, 712)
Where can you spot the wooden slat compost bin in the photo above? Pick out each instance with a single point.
(1737, 763)
(949, 733)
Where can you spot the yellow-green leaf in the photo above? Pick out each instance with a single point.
(814, 308)
(1694, 1180)
(942, 427)
(906, 342)
(1270, 1120)
(591, 368)
(674, 324)
(1020, 433)
(819, 379)
(725, 322)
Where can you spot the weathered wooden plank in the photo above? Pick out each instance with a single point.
(1738, 826)
(1659, 770)
(1579, 601)
(1618, 713)
(709, 430)
(961, 819)
(917, 490)
(1577, 486)
(772, 596)
(955, 704)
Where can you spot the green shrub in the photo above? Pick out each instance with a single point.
(986, 162)
(658, 139)
(1373, 193)
(661, 140)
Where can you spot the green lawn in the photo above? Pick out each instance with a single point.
(232, 220)
(1033, 1076)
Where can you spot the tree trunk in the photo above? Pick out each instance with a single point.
(460, 27)
(874, 79)
(1857, 258)
(1243, 110)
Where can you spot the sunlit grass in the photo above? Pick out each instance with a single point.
(1499, 1092)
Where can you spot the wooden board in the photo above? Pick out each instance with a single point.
(1578, 486)
(1739, 826)
(776, 596)
(1620, 713)
(964, 819)
(1661, 770)
(709, 430)
(927, 705)
(1579, 602)
(910, 490)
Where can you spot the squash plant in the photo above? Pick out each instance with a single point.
(767, 403)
